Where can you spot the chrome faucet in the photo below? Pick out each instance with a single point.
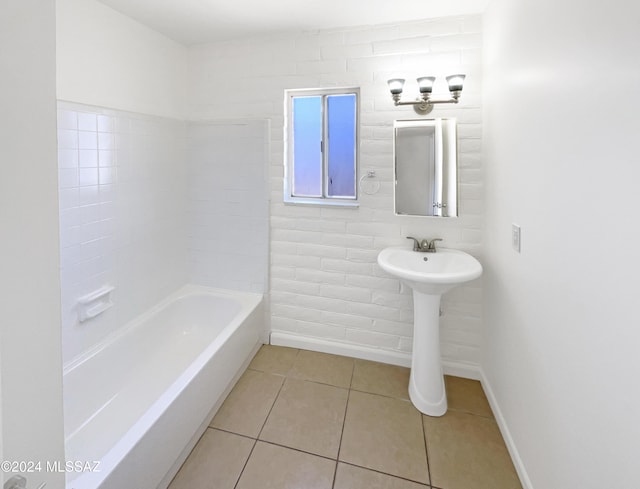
(417, 246)
(424, 246)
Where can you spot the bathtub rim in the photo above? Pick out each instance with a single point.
(246, 299)
(124, 446)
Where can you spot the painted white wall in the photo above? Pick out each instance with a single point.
(560, 348)
(107, 59)
(325, 283)
(32, 426)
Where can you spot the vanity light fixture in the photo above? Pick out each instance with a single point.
(424, 104)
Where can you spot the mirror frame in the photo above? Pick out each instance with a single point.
(444, 179)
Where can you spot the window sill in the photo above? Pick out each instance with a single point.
(351, 204)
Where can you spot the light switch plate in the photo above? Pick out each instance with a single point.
(515, 237)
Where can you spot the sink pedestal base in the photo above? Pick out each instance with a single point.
(426, 384)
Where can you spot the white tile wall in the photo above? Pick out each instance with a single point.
(228, 204)
(325, 280)
(122, 184)
(148, 204)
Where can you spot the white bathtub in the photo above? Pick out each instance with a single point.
(138, 402)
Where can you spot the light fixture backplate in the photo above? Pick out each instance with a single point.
(423, 109)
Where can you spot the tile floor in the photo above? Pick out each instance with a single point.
(299, 419)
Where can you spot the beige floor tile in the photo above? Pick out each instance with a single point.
(307, 416)
(467, 451)
(322, 367)
(380, 378)
(384, 434)
(350, 477)
(248, 404)
(273, 467)
(467, 395)
(274, 359)
(215, 463)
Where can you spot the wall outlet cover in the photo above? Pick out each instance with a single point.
(515, 237)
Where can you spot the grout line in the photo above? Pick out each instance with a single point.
(300, 450)
(231, 432)
(344, 421)
(383, 395)
(271, 409)
(317, 382)
(293, 377)
(253, 369)
(246, 462)
(465, 411)
(342, 462)
(353, 372)
(293, 363)
(426, 449)
(387, 473)
(258, 436)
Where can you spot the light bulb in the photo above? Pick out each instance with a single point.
(395, 85)
(455, 82)
(425, 83)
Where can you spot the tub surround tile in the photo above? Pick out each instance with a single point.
(467, 395)
(274, 359)
(323, 368)
(233, 197)
(380, 378)
(307, 416)
(274, 467)
(216, 461)
(149, 259)
(246, 408)
(384, 434)
(466, 450)
(352, 477)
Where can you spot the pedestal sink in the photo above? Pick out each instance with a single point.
(429, 275)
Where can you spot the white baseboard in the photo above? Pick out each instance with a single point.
(506, 434)
(283, 338)
(464, 370)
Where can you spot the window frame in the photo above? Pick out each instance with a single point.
(325, 199)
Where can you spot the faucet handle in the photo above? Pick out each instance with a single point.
(432, 244)
(416, 243)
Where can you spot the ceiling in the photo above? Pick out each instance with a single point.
(200, 21)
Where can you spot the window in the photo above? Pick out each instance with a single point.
(321, 134)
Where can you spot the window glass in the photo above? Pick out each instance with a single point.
(341, 158)
(307, 154)
(321, 127)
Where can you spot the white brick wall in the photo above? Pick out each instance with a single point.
(325, 282)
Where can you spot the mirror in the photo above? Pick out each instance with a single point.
(425, 169)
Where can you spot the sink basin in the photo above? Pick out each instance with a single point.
(430, 273)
